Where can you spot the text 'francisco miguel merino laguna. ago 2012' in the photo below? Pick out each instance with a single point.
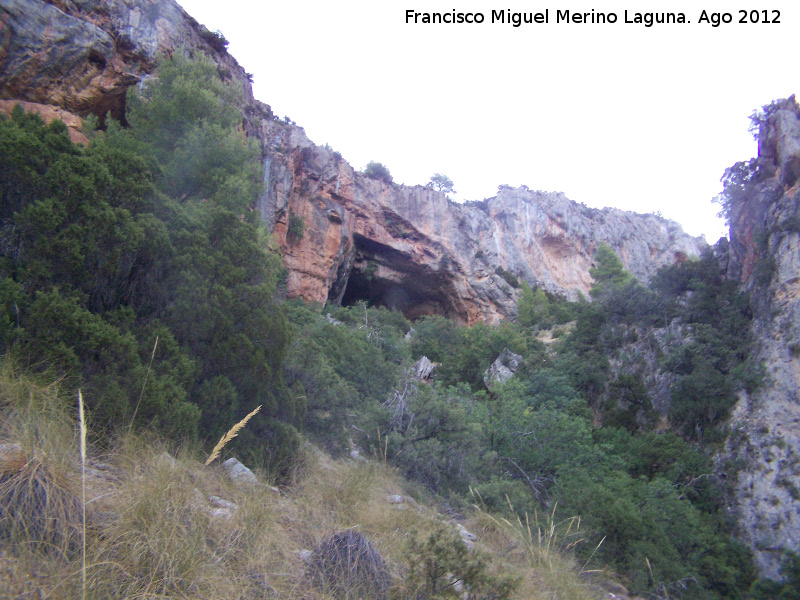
(566, 16)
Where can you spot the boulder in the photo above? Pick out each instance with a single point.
(502, 369)
(238, 473)
(423, 368)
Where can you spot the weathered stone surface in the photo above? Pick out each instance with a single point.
(423, 368)
(404, 247)
(238, 473)
(502, 369)
(50, 113)
(765, 255)
(412, 249)
(83, 55)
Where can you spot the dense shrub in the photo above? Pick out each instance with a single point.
(375, 170)
(144, 278)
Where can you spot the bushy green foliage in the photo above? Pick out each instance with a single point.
(344, 368)
(466, 352)
(737, 184)
(539, 309)
(189, 120)
(147, 234)
(297, 226)
(436, 437)
(375, 170)
(788, 589)
(508, 277)
(442, 567)
(608, 270)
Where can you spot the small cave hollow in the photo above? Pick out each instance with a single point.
(414, 294)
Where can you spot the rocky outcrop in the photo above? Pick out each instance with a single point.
(83, 55)
(502, 369)
(345, 236)
(50, 113)
(765, 255)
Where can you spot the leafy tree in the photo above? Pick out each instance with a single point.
(442, 183)
(737, 185)
(608, 270)
(190, 119)
(375, 170)
(147, 234)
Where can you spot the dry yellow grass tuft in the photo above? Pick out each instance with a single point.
(232, 433)
(158, 526)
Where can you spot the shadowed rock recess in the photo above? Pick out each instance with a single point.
(412, 249)
(345, 237)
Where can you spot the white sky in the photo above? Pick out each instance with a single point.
(642, 119)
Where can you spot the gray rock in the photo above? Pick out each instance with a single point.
(355, 455)
(765, 426)
(423, 368)
(238, 473)
(165, 461)
(502, 369)
(787, 124)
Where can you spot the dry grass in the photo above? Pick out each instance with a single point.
(156, 527)
(542, 548)
(232, 433)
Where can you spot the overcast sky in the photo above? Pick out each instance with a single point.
(624, 115)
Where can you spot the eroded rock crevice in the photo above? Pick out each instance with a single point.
(382, 276)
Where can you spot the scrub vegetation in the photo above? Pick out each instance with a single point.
(135, 271)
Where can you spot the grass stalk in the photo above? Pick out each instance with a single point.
(141, 393)
(232, 433)
(82, 427)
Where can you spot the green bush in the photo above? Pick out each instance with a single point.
(297, 226)
(442, 567)
(146, 234)
(375, 170)
(508, 277)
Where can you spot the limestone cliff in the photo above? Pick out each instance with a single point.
(406, 247)
(82, 55)
(413, 249)
(765, 256)
(345, 236)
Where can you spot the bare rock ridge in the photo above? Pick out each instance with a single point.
(411, 248)
(765, 256)
(353, 237)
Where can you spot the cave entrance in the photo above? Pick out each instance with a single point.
(395, 285)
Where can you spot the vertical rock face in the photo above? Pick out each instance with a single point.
(343, 236)
(83, 55)
(412, 249)
(765, 256)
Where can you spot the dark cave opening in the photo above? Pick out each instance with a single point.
(412, 296)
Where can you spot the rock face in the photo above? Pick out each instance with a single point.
(764, 254)
(502, 369)
(412, 249)
(83, 55)
(344, 236)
